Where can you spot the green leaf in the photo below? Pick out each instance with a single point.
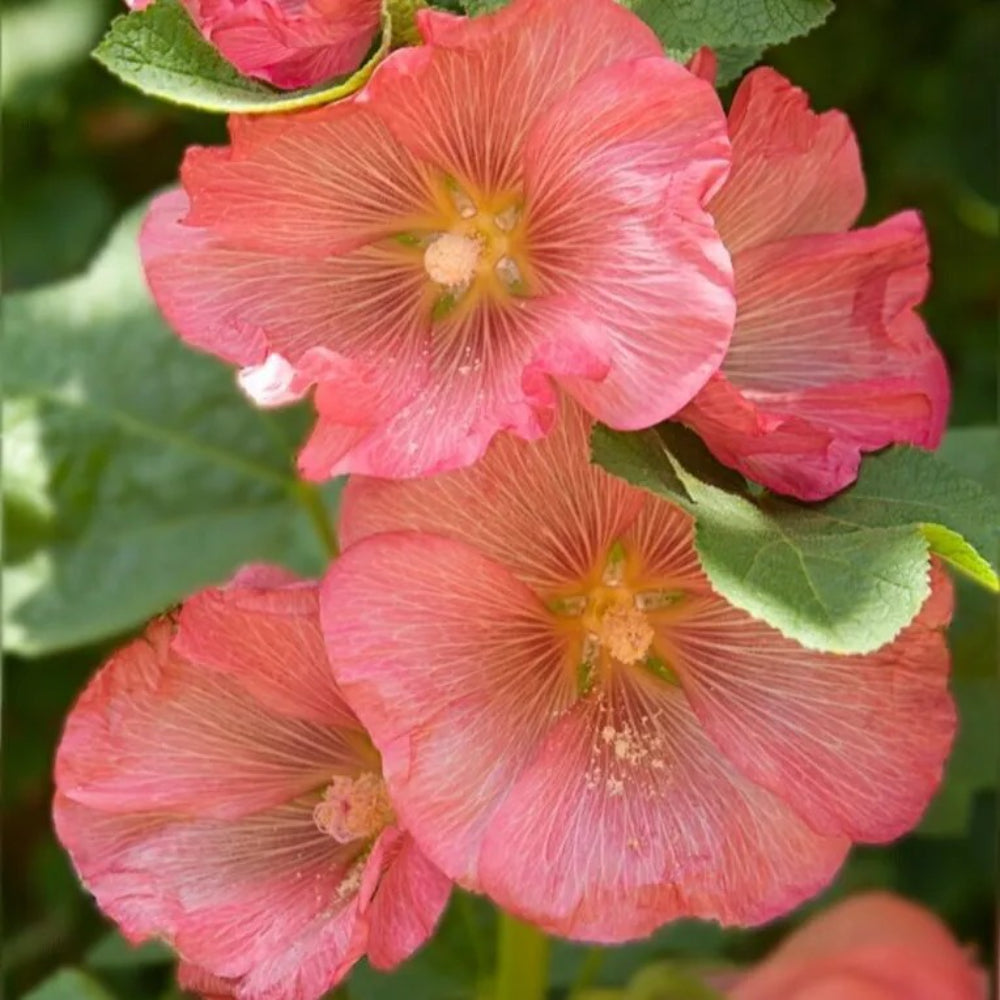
(69, 984)
(668, 981)
(972, 766)
(734, 60)
(113, 952)
(686, 25)
(140, 470)
(843, 576)
(160, 51)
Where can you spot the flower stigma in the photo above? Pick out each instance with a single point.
(354, 808)
(452, 259)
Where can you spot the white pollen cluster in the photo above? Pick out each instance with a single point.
(452, 259)
(354, 808)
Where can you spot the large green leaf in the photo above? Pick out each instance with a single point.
(686, 25)
(159, 51)
(843, 576)
(136, 472)
(69, 984)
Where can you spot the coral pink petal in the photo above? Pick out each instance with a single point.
(628, 817)
(291, 45)
(794, 172)
(827, 352)
(407, 904)
(309, 184)
(885, 947)
(155, 732)
(466, 99)
(638, 137)
(267, 639)
(537, 508)
(488, 370)
(833, 736)
(259, 900)
(468, 650)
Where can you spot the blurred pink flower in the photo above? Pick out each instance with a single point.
(829, 358)
(573, 722)
(519, 200)
(290, 43)
(871, 947)
(214, 789)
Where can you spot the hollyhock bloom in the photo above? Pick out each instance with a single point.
(289, 43)
(517, 201)
(829, 358)
(591, 735)
(871, 947)
(214, 789)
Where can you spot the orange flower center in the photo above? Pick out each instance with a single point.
(613, 617)
(354, 808)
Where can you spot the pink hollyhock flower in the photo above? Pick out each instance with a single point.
(829, 358)
(872, 947)
(290, 43)
(517, 201)
(214, 789)
(591, 735)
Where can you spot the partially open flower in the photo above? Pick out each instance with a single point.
(290, 43)
(519, 200)
(214, 789)
(573, 722)
(829, 358)
(870, 947)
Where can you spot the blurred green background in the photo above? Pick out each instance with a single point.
(920, 82)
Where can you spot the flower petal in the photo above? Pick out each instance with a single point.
(310, 184)
(505, 69)
(877, 943)
(408, 902)
(628, 817)
(153, 731)
(833, 736)
(468, 650)
(538, 508)
(617, 175)
(828, 360)
(266, 900)
(267, 638)
(794, 172)
(290, 45)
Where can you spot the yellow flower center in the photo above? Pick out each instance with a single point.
(354, 808)
(620, 627)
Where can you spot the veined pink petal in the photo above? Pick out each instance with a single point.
(310, 184)
(828, 360)
(266, 638)
(156, 732)
(467, 649)
(535, 508)
(786, 716)
(466, 100)
(794, 172)
(643, 133)
(267, 900)
(883, 947)
(409, 898)
(627, 817)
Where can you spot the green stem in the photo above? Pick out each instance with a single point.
(522, 961)
(311, 498)
(589, 970)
